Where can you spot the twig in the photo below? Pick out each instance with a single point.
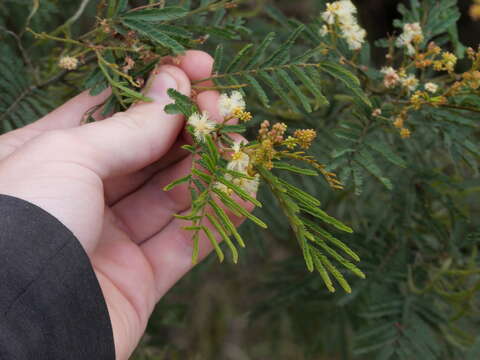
(72, 19)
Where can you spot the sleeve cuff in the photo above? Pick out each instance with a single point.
(51, 304)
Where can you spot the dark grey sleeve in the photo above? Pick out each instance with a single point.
(51, 305)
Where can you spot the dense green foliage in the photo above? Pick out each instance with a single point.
(411, 200)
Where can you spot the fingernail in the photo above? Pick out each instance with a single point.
(160, 84)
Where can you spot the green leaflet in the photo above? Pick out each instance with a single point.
(196, 240)
(260, 51)
(154, 35)
(314, 259)
(386, 152)
(175, 31)
(347, 264)
(347, 78)
(473, 148)
(300, 195)
(332, 270)
(314, 88)
(212, 151)
(241, 55)
(215, 31)
(96, 82)
(111, 106)
(307, 255)
(133, 94)
(183, 104)
(238, 128)
(322, 215)
(329, 237)
(214, 243)
(237, 174)
(275, 86)
(218, 63)
(281, 55)
(262, 96)
(237, 209)
(177, 182)
(322, 271)
(226, 222)
(202, 175)
(225, 237)
(118, 7)
(283, 75)
(366, 160)
(357, 174)
(240, 192)
(156, 15)
(295, 169)
(272, 74)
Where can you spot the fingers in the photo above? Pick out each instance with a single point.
(134, 139)
(208, 101)
(149, 209)
(120, 187)
(68, 115)
(196, 65)
(170, 252)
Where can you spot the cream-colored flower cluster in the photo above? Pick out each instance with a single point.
(240, 162)
(392, 78)
(410, 82)
(342, 13)
(431, 87)
(202, 125)
(412, 35)
(233, 107)
(230, 107)
(68, 63)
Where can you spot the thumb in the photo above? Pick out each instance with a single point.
(131, 140)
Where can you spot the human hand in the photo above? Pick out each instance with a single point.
(104, 182)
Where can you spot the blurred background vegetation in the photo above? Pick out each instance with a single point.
(258, 309)
(268, 306)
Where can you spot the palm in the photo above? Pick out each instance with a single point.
(135, 261)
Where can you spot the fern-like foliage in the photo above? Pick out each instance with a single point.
(211, 186)
(292, 80)
(21, 102)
